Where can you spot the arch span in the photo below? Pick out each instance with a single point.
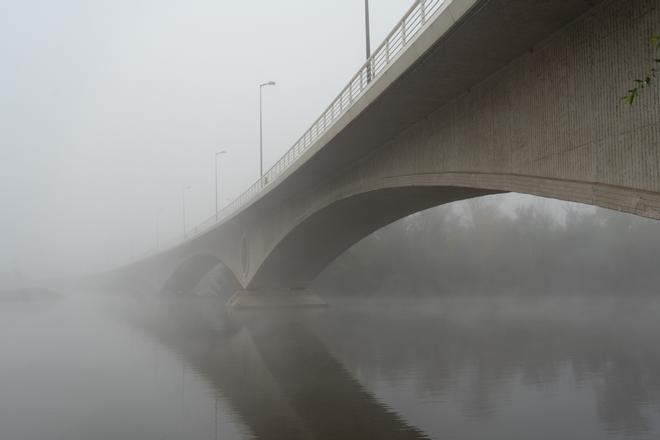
(309, 246)
(191, 271)
(305, 247)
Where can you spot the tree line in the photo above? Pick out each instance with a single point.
(483, 249)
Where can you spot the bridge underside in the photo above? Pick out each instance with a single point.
(317, 239)
(321, 237)
(545, 119)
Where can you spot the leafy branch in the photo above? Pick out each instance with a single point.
(648, 80)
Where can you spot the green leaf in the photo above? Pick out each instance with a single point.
(632, 94)
(655, 40)
(648, 80)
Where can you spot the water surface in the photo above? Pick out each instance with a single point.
(86, 366)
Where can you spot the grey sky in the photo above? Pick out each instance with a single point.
(108, 107)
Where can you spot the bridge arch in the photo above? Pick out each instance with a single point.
(308, 245)
(192, 270)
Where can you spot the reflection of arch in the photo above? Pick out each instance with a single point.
(275, 373)
(191, 271)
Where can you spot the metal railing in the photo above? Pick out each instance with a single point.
(405, 31)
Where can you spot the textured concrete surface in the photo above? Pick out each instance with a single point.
(512, 95)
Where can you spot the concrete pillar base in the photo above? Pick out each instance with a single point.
(275, 298)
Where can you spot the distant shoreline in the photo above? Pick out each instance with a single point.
(27, 295)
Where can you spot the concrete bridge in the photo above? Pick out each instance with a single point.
(464, 98)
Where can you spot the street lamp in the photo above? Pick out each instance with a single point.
(183, 209)
(261, 136)
(157, 232)
(368, 43)
(218, 153)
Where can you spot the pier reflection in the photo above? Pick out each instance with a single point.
(464, 369)
(273, 371)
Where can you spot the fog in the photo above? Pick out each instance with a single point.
(490, 366)
(108, 109)
(501, 317)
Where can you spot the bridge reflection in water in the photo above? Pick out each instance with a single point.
(274, 372)
(487, 369)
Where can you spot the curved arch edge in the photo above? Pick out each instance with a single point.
(275, 263)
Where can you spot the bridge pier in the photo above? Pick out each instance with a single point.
(275, 299)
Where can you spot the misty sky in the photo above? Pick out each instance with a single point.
(108, 108)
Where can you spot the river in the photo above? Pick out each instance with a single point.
(86, 366)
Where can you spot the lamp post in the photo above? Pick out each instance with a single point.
(218, 153)
(368, 42)
(261, 136)
(157, 232)
(183, 209)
